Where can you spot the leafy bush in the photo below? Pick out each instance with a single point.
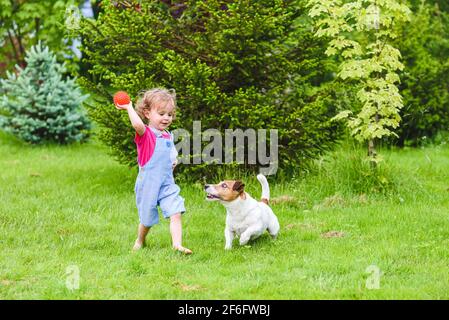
(234, 64)
(38, 105)
(424, 45)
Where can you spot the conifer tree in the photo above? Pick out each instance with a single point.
(38, 105)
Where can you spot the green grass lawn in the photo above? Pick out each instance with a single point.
(65, 206)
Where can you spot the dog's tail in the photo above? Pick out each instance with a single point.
(265, 188)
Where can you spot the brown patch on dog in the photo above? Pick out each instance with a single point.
(238, 186)
(229, 190)
(264, 200)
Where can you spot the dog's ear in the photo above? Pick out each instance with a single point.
(238, 186)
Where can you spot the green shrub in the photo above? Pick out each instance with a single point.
(424, 45)
(234, 64)
(38, 105)
(442, 5)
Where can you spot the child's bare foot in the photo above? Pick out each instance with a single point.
(183, 250)
(138, 245)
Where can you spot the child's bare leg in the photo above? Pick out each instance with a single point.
(176, 233)
(141, 235)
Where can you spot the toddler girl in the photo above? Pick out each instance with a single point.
(157, 154)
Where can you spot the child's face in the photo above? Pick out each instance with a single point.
(161, 115)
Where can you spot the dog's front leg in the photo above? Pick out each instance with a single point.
(250, 233)
(229, 236)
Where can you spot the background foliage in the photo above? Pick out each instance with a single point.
(361, 32)
(235, 64)
(424, 45)
(25, 23)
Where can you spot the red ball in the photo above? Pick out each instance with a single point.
(121, 98)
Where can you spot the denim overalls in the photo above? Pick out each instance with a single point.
(155, 186)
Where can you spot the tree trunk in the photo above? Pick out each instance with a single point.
(37, 24)
(17, 53)
(372, 153)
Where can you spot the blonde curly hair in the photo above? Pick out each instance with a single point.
(157, 97)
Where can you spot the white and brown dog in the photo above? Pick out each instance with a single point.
(246, 217)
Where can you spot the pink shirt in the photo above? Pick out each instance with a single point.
(146, 144)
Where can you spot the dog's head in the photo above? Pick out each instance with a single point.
(227, 190)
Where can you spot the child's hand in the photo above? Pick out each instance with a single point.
(123, 106)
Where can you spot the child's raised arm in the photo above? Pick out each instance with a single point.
(136, 122)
